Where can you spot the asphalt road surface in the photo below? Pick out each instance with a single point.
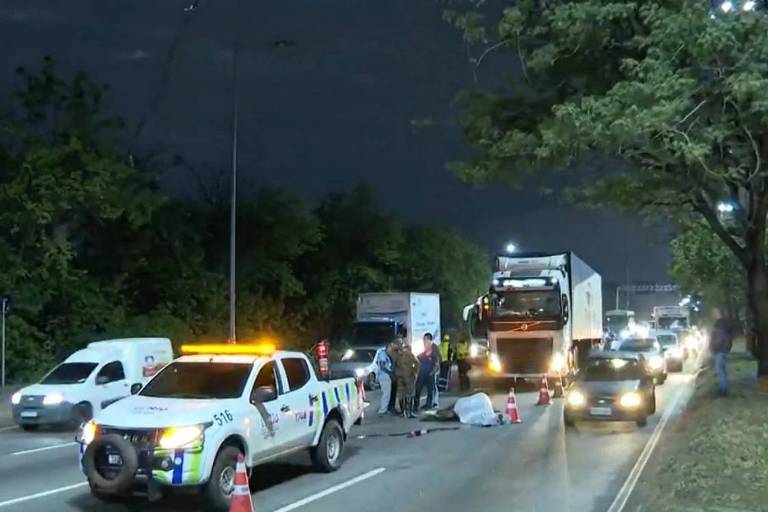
(533, 466)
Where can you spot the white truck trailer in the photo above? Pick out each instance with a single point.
(383, 316)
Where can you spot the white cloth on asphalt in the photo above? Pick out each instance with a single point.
(386, 391)
(478, 410)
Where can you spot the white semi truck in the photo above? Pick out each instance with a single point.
(675, 318)
(542, 315)
(383, 316)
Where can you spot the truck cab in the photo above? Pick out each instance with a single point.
(189, 425)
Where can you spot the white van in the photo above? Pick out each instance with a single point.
(89, 380)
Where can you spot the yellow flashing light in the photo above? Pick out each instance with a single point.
(246, 349)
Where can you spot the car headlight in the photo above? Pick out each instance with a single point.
(53, 399)
(630, 400)
(178, 437)
(88, 432)
(656, 362)
(494, 363)
(474, 350)
(16, 398)
(348, 354)
(359, 372)
(576, 398)
(558, 362)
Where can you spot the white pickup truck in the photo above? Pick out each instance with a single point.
(189, 424)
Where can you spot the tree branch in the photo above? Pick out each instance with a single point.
(702, 206)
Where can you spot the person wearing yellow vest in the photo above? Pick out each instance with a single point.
(446, 361)
(462, 353)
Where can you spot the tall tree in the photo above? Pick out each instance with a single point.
(674, 89)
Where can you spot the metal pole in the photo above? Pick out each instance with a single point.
(617, 296)
(233, 207)
(2, 371)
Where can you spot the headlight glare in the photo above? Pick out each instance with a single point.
(630, 400)
(348, 354)
(656, 362)
(16, 398)
(53, 399)
(89, 431)
(359, 372)
(178, 437)
(494, 363)
(576, 398)
(558, 362)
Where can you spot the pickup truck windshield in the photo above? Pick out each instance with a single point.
(671, 323)
(69, 373)
(199, 380)
(613, 370)
(528, 304)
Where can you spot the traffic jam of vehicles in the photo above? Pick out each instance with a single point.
(150, 423)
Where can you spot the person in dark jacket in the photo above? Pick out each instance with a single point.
(720, 343)
(429, 365)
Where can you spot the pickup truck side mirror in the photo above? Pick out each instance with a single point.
(135, 388)
(264, 394)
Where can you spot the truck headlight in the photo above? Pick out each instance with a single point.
(558, 362)
(494, 363)
(178, 437)
(88, 433)
(656, 362)
(576, 398)
(359, 372)
(53, 399)
(474, 350)
(16, 398)
(630, 400)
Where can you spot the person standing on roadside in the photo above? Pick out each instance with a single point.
(429, 365)
(720, 343)
(406, 371)
(385, 369)
(462, 354)
(446, 360)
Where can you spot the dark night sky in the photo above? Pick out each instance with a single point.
(325, 113)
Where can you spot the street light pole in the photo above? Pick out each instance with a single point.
(2, 369)
(233, 207)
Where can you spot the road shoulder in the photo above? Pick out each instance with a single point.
(714, 456)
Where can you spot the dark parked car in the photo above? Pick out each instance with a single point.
(615, 386)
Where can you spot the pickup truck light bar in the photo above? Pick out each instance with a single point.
(248, 349)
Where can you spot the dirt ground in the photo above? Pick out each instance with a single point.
(715, 457)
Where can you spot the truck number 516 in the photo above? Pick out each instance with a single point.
(223, 417)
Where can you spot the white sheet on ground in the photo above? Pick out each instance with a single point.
(478, 410)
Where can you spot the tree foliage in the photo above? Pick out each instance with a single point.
(92, 248)
(667, 86)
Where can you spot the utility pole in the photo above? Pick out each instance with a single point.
(233, 207)
(2, 368)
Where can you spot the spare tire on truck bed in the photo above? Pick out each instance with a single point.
(105, 478)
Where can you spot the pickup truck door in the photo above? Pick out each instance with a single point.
(297, 405)
(266, 435)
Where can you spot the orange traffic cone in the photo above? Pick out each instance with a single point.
(559, 387)
(512, 412)
(241, 495)
(545, 398)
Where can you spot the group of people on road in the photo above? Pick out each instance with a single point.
(404, 376)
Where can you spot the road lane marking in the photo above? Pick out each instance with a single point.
(330, 490)
(43, 494)
(629, 484)
(10, 427)
(44, 448)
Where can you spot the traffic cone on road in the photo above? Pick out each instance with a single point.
(241, 494)
(512, 412)
(559, 387)
(545, 398)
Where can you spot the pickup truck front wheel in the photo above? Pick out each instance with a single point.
(218, 490)
(326, 456)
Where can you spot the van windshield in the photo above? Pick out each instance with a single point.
(69, 373)
(199, 380)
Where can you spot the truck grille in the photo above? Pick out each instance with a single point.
(141, 439)
(530, 356)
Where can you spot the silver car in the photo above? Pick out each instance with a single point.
(358, 363)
